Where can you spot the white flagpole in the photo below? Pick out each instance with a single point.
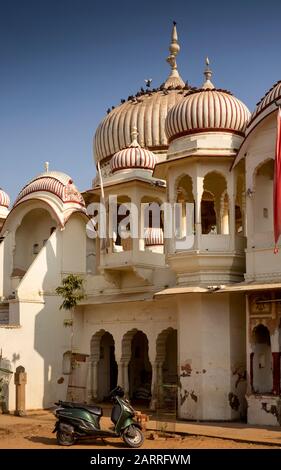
(101, 182)
(104, 242)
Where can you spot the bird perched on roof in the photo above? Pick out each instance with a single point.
(148, 82)
(108, 110)
(123, 101)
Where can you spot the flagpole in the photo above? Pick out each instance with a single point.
(104, 241)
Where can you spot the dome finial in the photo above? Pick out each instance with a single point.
(207, 85)
(134, 135)
(46, 166)
(174, 80)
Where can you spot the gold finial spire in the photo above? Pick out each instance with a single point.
(134, 135)
(208, 75)
(46, 166)
(174, 80)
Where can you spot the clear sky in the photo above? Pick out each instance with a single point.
(64, 62)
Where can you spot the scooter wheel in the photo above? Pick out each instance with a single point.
(65, 439)
(133, 437)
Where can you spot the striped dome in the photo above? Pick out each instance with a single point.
(133, 157)
(147, 112)
(273, 94)
(153, 236)
(207, 110)
(4, 199)
(54, 182)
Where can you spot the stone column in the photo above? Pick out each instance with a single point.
(275, 348)
(88, 396)
(126, 378)
(95, 379)
(120, 381)
(252, 372)
(154, 386)
(20, 383)
(198, 182)
(276, 373)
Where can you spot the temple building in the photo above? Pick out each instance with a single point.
(182, 288)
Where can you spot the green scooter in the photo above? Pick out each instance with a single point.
(77, 421)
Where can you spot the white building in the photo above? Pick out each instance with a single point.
(158, 314)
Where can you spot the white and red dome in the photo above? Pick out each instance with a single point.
(55, 183)
(133, 157)
(207, 110)
(271, 95)
(154, 236)
(4, 199)
(4, 204)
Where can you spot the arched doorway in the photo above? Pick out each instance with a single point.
(104, 366)
(262, 360)
(135, 354)
(167, 368)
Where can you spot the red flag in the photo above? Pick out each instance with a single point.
(277, 184)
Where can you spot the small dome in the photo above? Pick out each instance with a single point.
(54, 182)
(207, 110)
(4, 199)
(271, 95)
(133, 157)
(154, 236)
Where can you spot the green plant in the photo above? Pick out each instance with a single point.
(71, 292)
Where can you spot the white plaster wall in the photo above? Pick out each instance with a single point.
(207, 354)
(264, 410)
(74, 245)
(45, 272)
(34, 229)
(238, 354)
(39, 341)
(38, 345)
(261, 263)
(151, 317)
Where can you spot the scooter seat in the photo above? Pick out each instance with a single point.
(95, 410)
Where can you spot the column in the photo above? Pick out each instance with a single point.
(120, 374)
(198, 183)
(276, 373)
(274, 339)
(126, 378)
(154, 386)
(95, 379)
(88, 397)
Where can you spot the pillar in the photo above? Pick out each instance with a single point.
(126, 378)
(120, 381)
(154, 386)
(252, 371)
(95, 379)
(276, 373)
(20, 383)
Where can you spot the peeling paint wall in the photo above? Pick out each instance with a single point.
(212, 357)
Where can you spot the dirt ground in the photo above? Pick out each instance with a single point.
(35, 432)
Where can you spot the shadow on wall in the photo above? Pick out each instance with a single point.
(50, 336)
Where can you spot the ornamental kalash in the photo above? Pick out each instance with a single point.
(183, 313)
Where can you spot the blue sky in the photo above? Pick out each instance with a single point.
(64, 62)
